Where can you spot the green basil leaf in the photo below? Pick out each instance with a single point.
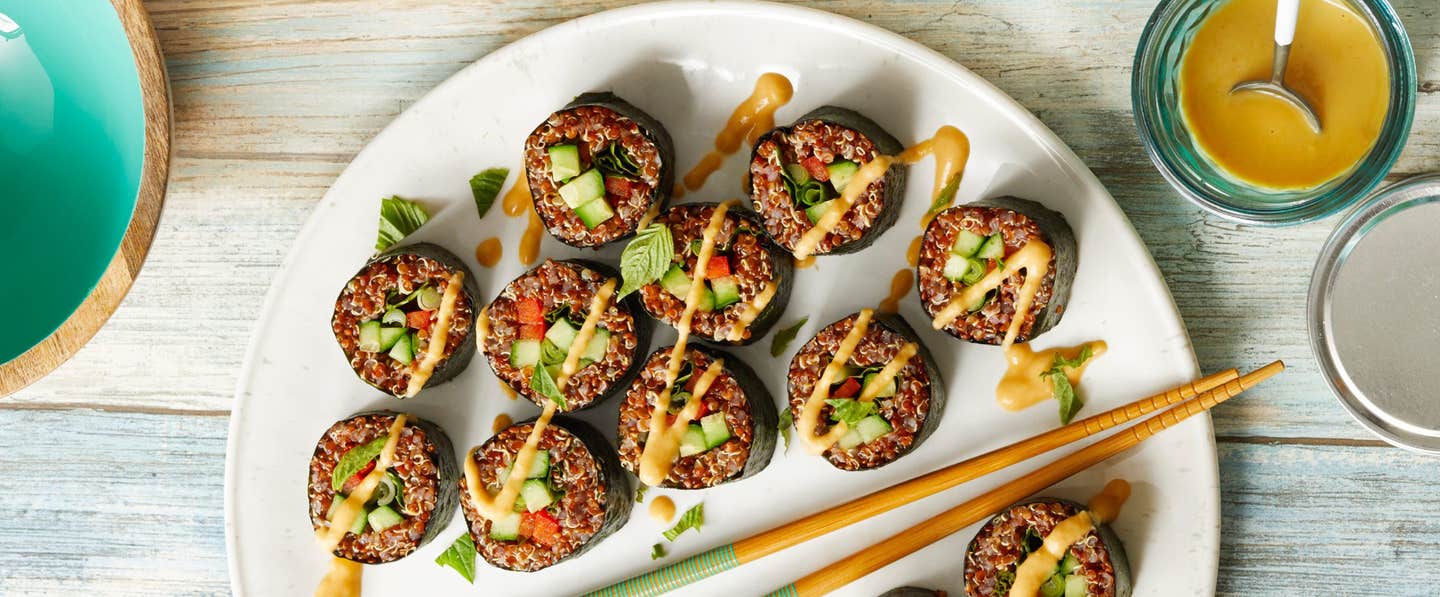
(946, 196)
(398, 218)
(485, 187)
(787, 420)
(646, 258)
(785, 336)
(657, 551)
(1085, 354)
(850, 411)
(615, 161)
(460, 556)
(691, 519)
(1003, 580)
(1065, 394)
(399, 503)
(543, 384)
(355, 459)
(640, 493)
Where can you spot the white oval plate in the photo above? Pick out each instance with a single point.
(689, 64)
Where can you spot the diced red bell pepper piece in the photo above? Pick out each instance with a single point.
(532, 331)
(530, 310)
(619, 186)
(849, 389)
(541, 527)
(419, 320)
(718, 267)
(704, 410)
(355, 479)
(816, 168)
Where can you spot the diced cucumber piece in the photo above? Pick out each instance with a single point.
(1069, 564)
(1053, 586)
(506, 529)
(675, 281)
(562, 333)
(537, 495)
(370, 336)
(693, 442)
(817, 211)
(382, 517)
(707, 301)
(956, 266)
(594, 212)
(994, 247)
(389, 336)
(358, 526)
(727, 291)
(519, 504)
(797, 173)
(872, 427)
(841, 171)
(583, 188)
(850, 439)
(715, 429)
(885, 392)
(524, 353)
(1075, 586)
(429, 298)
(403, 350)
(967, 243)
(564, 161)
(596, 348)
(539, 466)
(393, 317)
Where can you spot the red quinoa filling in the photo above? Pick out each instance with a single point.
(723, 441)
(414, 471)
(816, 152)
(990, 321)
(566, 148)
(382, 322)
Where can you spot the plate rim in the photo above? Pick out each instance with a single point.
(865, 31)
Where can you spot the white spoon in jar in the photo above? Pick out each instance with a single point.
(1286, 13)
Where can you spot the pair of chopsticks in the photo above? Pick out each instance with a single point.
(1192, 398)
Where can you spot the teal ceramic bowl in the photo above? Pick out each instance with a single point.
(72, 142)
(1155, 99)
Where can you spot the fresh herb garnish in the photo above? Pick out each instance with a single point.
(398, 218)
(787, 420)
(355, 459)
(1033, 541)
(691, 519)
(460, 556)
(398, 486)
(1003, 580)
(551, 354)
(485, 187)
(544, 385)
(403, 301)
(657, 551)
(849, 411)
(686, 370)
(1060, 387)
(947, 194)
(646, 258)
(785, 336)
(640, 493)
(615, 161)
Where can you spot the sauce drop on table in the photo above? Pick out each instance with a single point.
(662, 509)
(502, 421)
(489, 251)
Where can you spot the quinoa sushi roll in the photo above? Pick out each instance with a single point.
(596, 167)
(389, 314)
(799, 172)
(747, 279)
(1093, 566)
(539, 319)
(915, 592)
(964, 245)
(732, 435)
(574, 495)
(413, 501)
(872, 354)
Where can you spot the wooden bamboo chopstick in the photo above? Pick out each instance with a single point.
(908, 541)
(793, 533)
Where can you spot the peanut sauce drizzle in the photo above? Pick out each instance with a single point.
(343, 579)
(752, 118)
(1041, 563)
(900, 286)
(435, 351)
(518, 201)
(809, 418)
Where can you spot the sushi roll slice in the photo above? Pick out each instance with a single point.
(964, 244)
(904, 411)
(798, 172)
(392, 311)
(537, 321)
(596, 167)
(733, 434)
(747, 279)
(413, 501)
(575, 494)
(915, 592)
(1094, 566)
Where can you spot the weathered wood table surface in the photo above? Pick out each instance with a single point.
(111, 468)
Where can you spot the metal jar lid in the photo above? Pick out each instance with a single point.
(1374, 313)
